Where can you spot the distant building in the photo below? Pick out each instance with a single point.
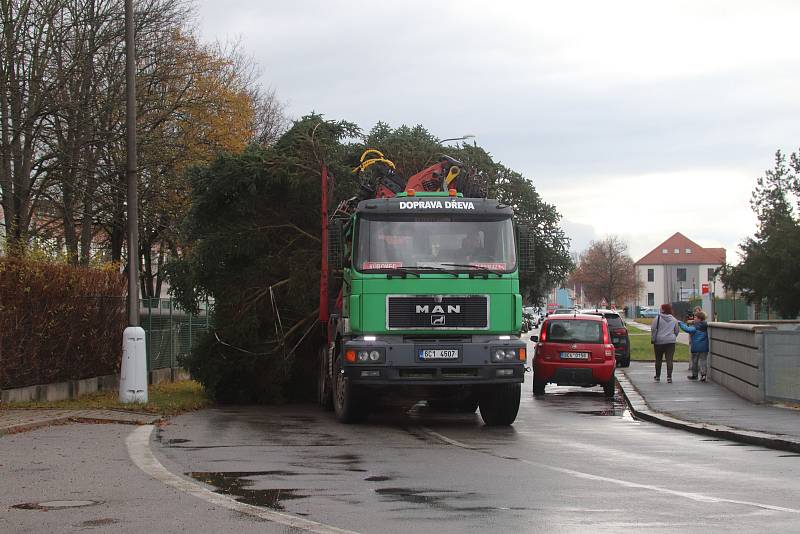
(676, 270)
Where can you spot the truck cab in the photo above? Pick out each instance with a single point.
(430, 307)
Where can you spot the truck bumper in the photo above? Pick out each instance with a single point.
(406, 362)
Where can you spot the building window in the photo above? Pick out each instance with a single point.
(677, 251)
(664, 251)
(651, 275)
(688, 251)
(681, 274)
(651, 299)
(711, 274)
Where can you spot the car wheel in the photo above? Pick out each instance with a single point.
(538, 387)
(349, 405)
(626, 362)
(609, 388)
(499, 405)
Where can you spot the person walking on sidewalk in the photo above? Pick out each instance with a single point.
(698, 332)
(663, 334)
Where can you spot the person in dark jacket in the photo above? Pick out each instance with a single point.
(698, 331)
(663, 334)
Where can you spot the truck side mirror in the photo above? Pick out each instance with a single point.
(336, 241)
(525, 249)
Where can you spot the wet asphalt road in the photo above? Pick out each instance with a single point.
(573, 462)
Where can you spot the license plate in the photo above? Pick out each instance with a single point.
(438, 354)
(615, 340)
(574, 355)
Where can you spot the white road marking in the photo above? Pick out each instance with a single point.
(138, 443)
(579, 474)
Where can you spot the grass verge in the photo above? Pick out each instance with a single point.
(167, 399)
(642, 349)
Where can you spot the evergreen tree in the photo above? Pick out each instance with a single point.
(769, 271)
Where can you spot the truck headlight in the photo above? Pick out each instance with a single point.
(367, 355)
(504, 355)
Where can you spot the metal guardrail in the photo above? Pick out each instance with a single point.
(170, 332)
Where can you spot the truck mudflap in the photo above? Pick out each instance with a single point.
(434, 362)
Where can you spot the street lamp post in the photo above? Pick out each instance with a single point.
(133, 372)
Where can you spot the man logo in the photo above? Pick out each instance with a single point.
(451, 308)
(437, 320)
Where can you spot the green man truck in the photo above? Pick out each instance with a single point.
(420, 297)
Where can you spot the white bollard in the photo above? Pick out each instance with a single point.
(133, 375)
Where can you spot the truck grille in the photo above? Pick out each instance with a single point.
(425, 313)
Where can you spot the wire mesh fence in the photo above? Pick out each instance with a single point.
(170, 332)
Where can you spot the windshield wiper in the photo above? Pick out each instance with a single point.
(401, 271)
(474, 267)
(416, 270)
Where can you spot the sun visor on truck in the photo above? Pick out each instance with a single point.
(434, 206)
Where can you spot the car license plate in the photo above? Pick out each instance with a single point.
(438, 354)
(574, 355)
(614, 340)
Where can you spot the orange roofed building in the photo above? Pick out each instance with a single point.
(676, 270)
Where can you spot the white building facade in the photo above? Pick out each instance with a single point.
(678, 269)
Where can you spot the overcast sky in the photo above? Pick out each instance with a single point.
(634, 118)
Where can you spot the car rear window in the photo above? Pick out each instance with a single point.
(614, 320)
(574, 331)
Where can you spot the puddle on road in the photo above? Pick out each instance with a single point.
(236, 484)
(579, 401)
(55, 505)
(439, 499)
(378, 479)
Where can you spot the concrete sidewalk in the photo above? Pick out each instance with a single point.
(13, 421)
(707, 408)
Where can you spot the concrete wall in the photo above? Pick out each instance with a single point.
(736, 358)
(75, 388)
(782, 365)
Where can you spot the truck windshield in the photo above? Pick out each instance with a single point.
(435, 242)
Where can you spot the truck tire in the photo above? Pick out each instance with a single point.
(349, 406)
(324, 389)
(609, 388)
(499, 404)
(468, 405)
(538, 387)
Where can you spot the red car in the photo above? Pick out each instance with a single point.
(574, 350)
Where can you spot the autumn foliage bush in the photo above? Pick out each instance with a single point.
(58, 322)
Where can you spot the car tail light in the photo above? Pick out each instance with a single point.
(543, 336)
(620, 332)
(606, 339)
(609, 350)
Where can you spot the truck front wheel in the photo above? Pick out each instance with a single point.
(350, 407)
(499, 404)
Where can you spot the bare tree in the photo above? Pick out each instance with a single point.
(606, 271)
(30, 34)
